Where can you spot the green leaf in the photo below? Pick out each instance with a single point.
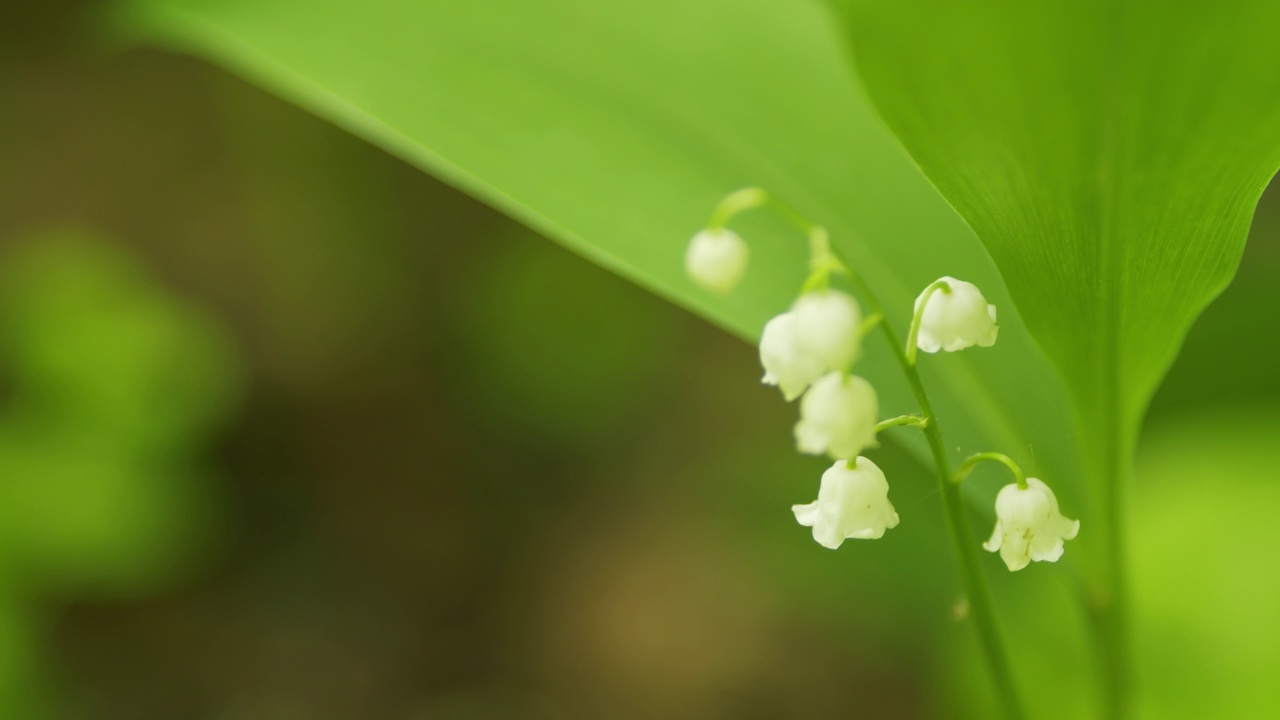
(613, 128)
(1109, 154)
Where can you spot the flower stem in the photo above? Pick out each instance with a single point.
(901, 420)
(972, 461)
(827, 259)
(972, 579)
(1107, 603)
(734, 203)
(913, 334)
(870, 324)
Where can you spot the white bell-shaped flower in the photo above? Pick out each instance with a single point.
(1029, 525)
(784, 364)
(716, 260)
(828, 327)
(955, 317)
(838, 417)
(852, 503)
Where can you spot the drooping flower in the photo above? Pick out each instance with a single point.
(838, 417)
(1029, 525)
(853, 502)
(820, 334)
(785, 365)
(955, 317)
(828, 325)
(716, 260)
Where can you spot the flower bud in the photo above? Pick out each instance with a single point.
(955, 317)
(716, 260)
(828, 327)
(838, 417)
(1029, 525)
(852, 503)
(784, 364)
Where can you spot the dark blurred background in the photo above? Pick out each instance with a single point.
(289, 429)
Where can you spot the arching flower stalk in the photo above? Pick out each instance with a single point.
(809, 352)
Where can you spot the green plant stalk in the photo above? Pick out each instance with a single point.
(1109, 615)
(825, 259)
(966, 467)
(1111, 452)
(981, 602)
(1108, 605)
(914, 332)
(901, 421)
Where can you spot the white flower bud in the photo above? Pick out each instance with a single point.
(784, 364)
(852, 503)
(1029, 525)
(716, 260)
(828, 327)
(838, 417)
(955, 319)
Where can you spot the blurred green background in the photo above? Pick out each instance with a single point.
(289, 429)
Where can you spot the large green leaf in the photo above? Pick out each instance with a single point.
(1108, 153)
(614, 127)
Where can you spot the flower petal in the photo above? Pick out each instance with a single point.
(1068, 529)
(1047, 548)
(1016, 552)
(997, 536)
(807, 514)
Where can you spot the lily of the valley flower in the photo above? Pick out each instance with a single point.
(716, 260)
(1029, 525)
(784, 363)
(955, 316)
(827, 328)
(820, 334)
(838, 417)
(853, 502)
